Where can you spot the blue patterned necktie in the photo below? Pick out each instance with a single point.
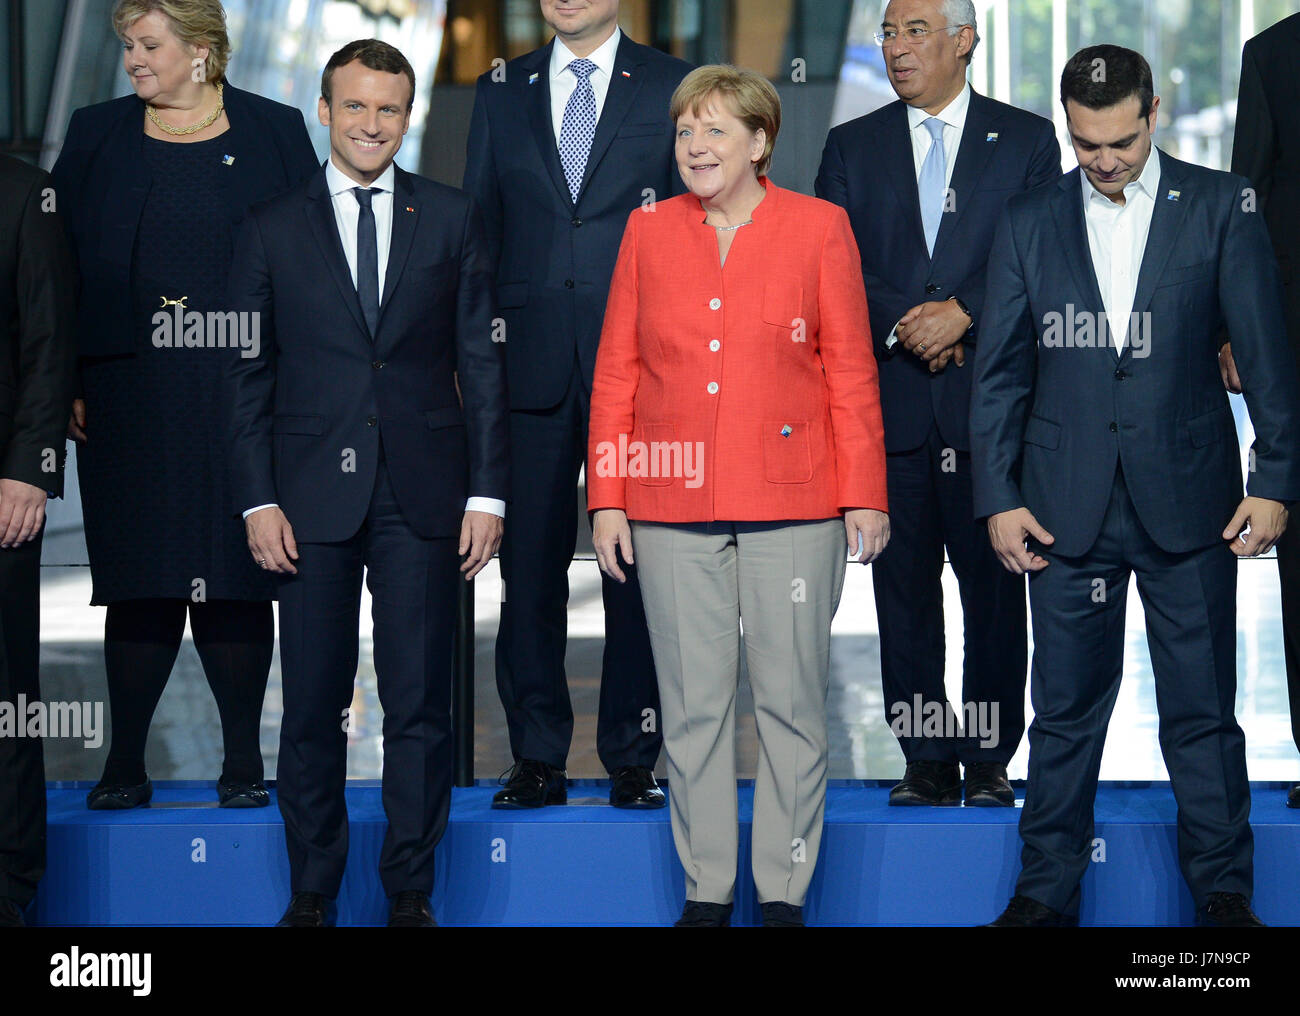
(578, 128)
(931, 186)
(367, 259)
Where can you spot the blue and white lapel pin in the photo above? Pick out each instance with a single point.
(1173, 195)
(991, 136)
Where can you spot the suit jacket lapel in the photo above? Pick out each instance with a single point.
(900, 169)
(618, 101)
(320, 217)
(399, 244)
(537, 101)
(1073, 234)
(1166, 221)
(972, 158)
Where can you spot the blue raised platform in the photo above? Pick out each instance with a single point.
(183, 861)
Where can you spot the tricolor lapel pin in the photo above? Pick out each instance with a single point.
(991, 136)
(229, 160)
(1173, 195)
(409, 208)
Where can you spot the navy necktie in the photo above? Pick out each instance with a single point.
(367, 259)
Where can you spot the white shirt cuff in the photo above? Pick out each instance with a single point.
(891, 339)
(259, 508)
(491, 505)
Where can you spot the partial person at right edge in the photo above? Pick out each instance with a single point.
(950, 158)
(1266, 150)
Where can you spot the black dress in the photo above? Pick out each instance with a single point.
(159, 519)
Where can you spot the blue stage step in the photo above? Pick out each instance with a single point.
(183, 861)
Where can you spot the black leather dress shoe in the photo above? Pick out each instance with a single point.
(308, 910)
(118, 797)
(697, 914)
(411, 909)
(532, 784)
(1227, 910)
(928, 783)
(781, 915)
(635, 787)
(11, 914)
(1022, 912)
(987, 786)
(234, 794)
(1293, 798)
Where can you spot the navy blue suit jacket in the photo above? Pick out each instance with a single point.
(1051, 418)
(554, 258)
(898, 270)
(323, 390)
(102, 181)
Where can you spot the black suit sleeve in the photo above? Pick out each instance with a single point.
(299, 156)
(1250, 295)
(1254, 137)
(250, 380)
(481, 175)
(481, 366)
(1003, 385)
(45, 288)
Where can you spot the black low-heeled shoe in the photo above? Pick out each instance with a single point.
(234, 794)
(118, 796)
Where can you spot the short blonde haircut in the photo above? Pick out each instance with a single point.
(752, 98)
(195, 22)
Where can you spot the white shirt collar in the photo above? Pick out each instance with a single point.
(1148, 182)
(953, 114)
(337, 181)
(603, 57)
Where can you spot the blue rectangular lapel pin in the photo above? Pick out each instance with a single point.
(991, 136)
(228, 160)
(532, 79)
(1173, 195)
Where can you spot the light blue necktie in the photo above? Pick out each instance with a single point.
(578, 128)
(931, 187)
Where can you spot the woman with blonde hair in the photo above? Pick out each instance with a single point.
(151, 186)
(735, 420)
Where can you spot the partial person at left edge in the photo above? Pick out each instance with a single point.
(152, 186)
(36, 365)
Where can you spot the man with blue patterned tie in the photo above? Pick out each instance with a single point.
(564, 144)
(924, 180)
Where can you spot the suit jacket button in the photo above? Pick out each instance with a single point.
(713, 388)
(371, 421)
(1120, 375)
(378, 364)
(568, 283)
(575, 221)
(1113, 427)
(930, 287)
(715, 345)
(715, 304)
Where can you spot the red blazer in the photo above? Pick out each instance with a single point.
(744, 393)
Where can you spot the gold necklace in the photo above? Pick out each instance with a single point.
(207, 121)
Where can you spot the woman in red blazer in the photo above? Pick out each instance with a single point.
(735, 420)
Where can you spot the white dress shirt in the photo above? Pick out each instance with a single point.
(953, 116)
(563, 81)
(346, 214)
(1117, 238)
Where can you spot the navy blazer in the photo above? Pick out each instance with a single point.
(554, 258)
(1003, 151)
(102, 182)
(307, 413)
(1051, 417)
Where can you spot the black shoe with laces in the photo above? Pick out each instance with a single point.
(635, 787)
(1227, 910)
(928, 782)
(411, 909)
(308, 910)
(1023, 912)
(987, 786)
(698, 914)
(531, 784)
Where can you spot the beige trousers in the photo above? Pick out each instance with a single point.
(700, 582)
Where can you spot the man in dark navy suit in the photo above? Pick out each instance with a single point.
(1103, 446)
(352, 451)
(1266, 149)
(565, 142)
(37, 357)
(950, 158)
